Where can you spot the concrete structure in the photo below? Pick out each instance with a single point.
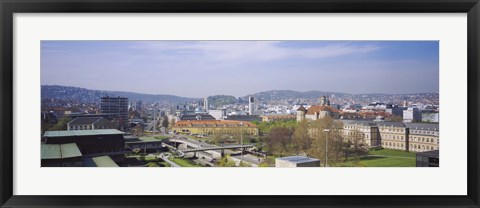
(218, 114)
(101, 161)
(301, 111)
(428, 159)
(90, 123)
(249, 118)
(251, 105)
(116, 109)
(196, 117)
(296, 161)
(412, 114)
(205, 104)
(61, 155)
(89, 141)
(142, 143)
(208, 127)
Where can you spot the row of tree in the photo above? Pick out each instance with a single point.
(319, 139)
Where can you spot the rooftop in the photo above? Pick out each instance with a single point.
(433, 153)
(60, 151)
(423, 126)
(213, 122)
(81, 133)
(84, 120)
(317, 108)
(298, 159)
(104, 161)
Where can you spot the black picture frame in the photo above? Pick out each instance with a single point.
(10, 7)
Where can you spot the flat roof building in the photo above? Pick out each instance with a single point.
(89, 141)
(101, 161)
(428, 159)
(296, 161)
(61, 155)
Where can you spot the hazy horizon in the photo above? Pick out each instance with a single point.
(203, 68)
(241, 95)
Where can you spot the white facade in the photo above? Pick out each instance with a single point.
(218, 114)
(251, 105)
(205, 104)
(412, 115)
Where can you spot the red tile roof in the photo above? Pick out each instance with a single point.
(317, 108)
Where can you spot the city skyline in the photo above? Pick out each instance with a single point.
(238, 68)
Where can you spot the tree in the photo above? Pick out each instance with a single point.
(165, 121)
(61, 124)
(331, 138)
(357, 146)
(301, 138)
(226, 162)
(279, 139)
(395, 118)
(172, 122)
(217, 137)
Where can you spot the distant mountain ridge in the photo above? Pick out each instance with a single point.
(291, 94)
(92, 96)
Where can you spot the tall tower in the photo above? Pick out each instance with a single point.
(251, 105)
(205, 104)
(323, 100)
(301, 113)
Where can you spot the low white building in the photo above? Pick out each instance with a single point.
(296, 161)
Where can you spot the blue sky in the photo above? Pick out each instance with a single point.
(202, 68)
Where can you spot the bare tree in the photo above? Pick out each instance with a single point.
(301, 138)
(279, 140)
(328, 143)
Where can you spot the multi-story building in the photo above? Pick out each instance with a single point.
(367, 130)
(415, 137)
(100, 141)
(116, 109)
(412, 114)
(208, 127)
(218, 114)
(393, 135)
(423, 136)
(90, 123)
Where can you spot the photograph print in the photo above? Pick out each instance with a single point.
(272, 104)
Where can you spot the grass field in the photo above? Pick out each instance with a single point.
(384, 158)
(183, 162)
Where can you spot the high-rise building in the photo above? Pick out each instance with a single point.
(115, 109)
(251, 105)
(205, 104)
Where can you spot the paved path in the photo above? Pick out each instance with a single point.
(165, 156)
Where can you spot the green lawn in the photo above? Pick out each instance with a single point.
(183, 162)
(395, 153)
(161, 137)
(384, 158)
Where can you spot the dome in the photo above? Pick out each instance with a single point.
(198, 109)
